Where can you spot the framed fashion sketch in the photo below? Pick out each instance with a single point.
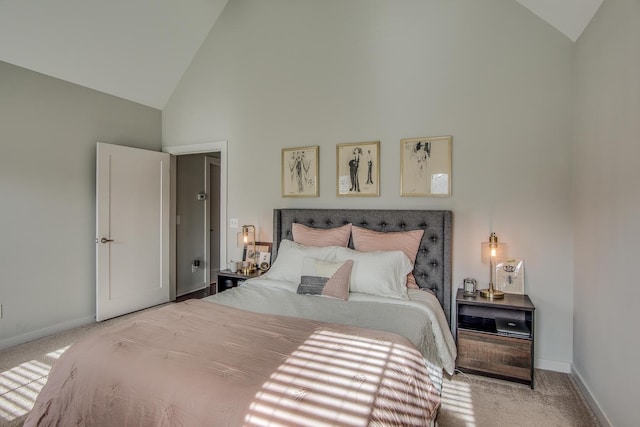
(358, 169)
(300, 172)
(425, 166)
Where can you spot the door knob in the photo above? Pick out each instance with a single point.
(105, 240)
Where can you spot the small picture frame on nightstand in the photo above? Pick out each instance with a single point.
(261, 247)
(264, 261)
(469, 287)
(510, 276)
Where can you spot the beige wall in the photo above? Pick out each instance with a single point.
(290, 73)
(607, 210)
(48, 134)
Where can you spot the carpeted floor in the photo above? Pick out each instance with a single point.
(474, 401)
(467, 400)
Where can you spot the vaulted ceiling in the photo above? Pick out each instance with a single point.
(138, 50)
(570, 17)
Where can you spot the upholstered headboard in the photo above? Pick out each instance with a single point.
(432, 268)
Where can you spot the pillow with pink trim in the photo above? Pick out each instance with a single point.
(406, 241)
(321, 237)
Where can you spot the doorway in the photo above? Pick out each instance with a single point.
(197, 221)
(192, 269)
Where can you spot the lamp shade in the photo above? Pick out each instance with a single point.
(246, 236)
(500, 251)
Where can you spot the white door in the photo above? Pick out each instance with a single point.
(132, 230)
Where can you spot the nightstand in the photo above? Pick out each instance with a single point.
(482, 349)
(227, 280)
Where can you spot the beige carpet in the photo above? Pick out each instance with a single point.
(467, 400)
(474, 401)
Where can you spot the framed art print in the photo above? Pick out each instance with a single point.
(358, 169)
(261, 248)
(510, 276)
(425, 166)
(300, 172)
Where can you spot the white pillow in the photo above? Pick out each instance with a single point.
(288, 263)
(382, 273)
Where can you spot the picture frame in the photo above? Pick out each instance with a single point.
(301, 171)
(358, 169)
(425, 166)
(510, 275)
(261, 247)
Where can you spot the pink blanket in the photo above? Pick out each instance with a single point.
(203, 364)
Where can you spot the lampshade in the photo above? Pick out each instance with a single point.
(500, 249)
(247, 235)
(492, 250)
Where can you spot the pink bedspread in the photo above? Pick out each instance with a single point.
(203, 364)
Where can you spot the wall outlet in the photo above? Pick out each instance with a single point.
(233, 222)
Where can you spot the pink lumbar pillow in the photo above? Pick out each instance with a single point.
(406, 241)
(321, 237)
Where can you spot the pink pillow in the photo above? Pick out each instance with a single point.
(406, 241)
(308, 236)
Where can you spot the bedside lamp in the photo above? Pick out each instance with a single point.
(247, 238)
(491, 248)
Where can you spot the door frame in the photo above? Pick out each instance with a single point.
(180, 150)
(208, 162)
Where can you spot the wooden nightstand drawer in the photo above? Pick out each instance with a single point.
(495, 354)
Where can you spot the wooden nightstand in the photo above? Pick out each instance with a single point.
(227, 280)
(485, 351)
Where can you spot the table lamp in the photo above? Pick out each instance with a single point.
(247, 238)
(492, 248)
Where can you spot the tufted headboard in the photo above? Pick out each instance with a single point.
(432, 268)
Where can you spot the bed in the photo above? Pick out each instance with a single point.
(265, 354)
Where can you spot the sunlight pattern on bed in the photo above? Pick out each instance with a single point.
(335, 378)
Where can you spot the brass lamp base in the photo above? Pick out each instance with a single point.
(249, 270)
(491, 293)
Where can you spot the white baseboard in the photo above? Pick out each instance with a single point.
(553, 365)
(45, 332)
(593, 403)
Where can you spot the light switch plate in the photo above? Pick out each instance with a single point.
(233, 223)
